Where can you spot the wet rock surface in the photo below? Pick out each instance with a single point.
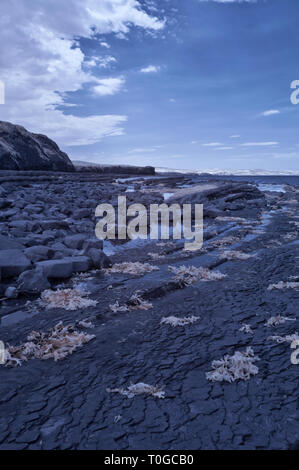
(65, 404)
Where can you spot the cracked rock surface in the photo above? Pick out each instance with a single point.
(66, 405)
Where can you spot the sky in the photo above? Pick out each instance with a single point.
(183, 84)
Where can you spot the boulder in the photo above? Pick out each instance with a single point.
(57, 268)
(23, 150)
(64, 268)
(99, 259)
(75, 241)
(7, 243)
(39, 253)
(93, 243)
(11, 292)
(82, 214)
(33, 282)
(13, 262)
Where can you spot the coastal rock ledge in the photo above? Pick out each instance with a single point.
(23, 150)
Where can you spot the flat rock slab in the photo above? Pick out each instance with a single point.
(13, 262)
(7, 243)
(65, 267)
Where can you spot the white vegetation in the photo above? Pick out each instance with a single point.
(239, 220)
(135, 269)
(116, 307)
(240, 366)
(246, 329)
(139, 389)
(188, 275)
(136, 302)
(221, 242)
(86, 323)
(175, 321)
(156, 256)
(284, 285)
(235, 255)
(284, 339)
(58, 343)
(68, 299)
(278, 320)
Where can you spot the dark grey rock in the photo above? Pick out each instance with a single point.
(65, 267)
(23, 150)
(80, 264)
(93, 243)
(4, 203)
(75, 241)
(7, 243)
(11, 292)
(82, 214)
(32, 282)
(57, 269)
(39, 253)
(13, 262)
(53, 224)
(99, 259)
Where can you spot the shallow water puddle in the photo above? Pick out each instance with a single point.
(279, 188)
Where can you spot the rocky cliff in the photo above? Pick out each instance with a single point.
(23, 150)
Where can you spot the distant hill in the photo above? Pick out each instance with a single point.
(231, 172)
(114, 169)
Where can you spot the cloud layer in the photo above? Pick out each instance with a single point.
(42, 61)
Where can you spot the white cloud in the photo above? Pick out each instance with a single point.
(230, 1)
(212, 144)
(224, 148)
(151, 69)
(260, 144)
(143, 150)
(235, 136)
(41, 62)
(270, 112)
(108, 86)
(101, 62)
(105, 44)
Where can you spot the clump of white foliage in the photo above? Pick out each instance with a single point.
(175, 321)
(187, 275)
(284, 285)
(224, 241)
(116, 307)
(284, 339)
(68, 299)
(58, 343)
(139, 389)
(240, 366)
(278, 320)
(235, 255)
(86, 323)
(136, 302)
(156, 256)
(239, 220)
(246, 329)
(135, 269)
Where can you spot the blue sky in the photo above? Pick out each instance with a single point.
(172, 83)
